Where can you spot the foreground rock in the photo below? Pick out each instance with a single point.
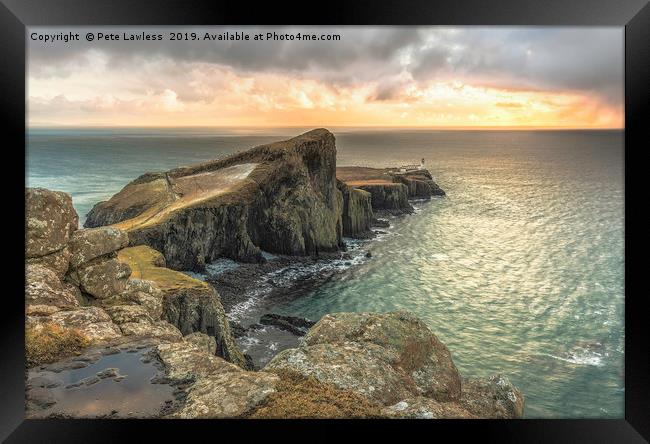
(108, 293)
(187, 303)
(426, 408)
(494, 397)
(215, 388)
(395, 361)
(51, 220)
(396, 352)
(280, 198)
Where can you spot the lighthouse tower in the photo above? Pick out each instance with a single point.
(421, 167)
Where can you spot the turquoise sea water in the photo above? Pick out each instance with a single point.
(519, 270)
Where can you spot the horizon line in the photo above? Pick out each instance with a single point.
(420, 127)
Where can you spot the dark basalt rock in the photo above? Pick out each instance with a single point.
(357, 211)
(380, 223)
(293, 324)
(390, 189)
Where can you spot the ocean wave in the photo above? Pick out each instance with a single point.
(581, 357)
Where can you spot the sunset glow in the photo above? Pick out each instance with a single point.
(126, 86)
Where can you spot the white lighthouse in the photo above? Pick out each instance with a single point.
(421, 167)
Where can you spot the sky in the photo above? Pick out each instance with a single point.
(439, 77)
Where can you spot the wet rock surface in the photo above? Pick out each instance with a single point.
(293, 324)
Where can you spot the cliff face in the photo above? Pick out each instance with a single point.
(280, 197)
(357, 214)
(388, 196)
(420, 184)
(189, 304)
(390, 190)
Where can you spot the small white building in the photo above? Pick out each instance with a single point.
(406, 168)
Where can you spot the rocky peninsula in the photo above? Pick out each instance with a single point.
(115, 329)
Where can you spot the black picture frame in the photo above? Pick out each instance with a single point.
(16, 15)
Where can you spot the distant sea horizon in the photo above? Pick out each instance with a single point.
(519, 270)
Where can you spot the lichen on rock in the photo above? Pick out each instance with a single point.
(425, 359)
(51, 220)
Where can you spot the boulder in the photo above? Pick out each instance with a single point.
(202, 341)
(92, 321)
(44, 288)
(494, 397)
(51, 220)
(121, 314)
(293, 324)
(89, 244)
(281, 198)
(367, 369)
(425, 359)
(217, 389)
(102, 278)
(58, 262)
(227, 395)
(188, 361)
(145, 294)
(426, 408)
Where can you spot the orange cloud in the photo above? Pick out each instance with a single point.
(202, 94)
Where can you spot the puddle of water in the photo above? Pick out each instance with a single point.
(115, 385)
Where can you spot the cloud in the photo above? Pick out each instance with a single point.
(382, 65)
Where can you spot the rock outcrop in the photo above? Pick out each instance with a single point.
(215, 388)
(399, 355)
(292, 324)
(357, 213)
(96, 291)
(51, 220)
(390, 189)
(187, 303)
(281, 197)
(395, 361)
(420, 184)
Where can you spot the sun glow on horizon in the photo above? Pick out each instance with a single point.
(97, 88)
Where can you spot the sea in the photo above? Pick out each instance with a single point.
(519, 270)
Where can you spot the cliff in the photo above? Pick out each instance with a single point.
(106, 292)
(357, 215)
(281, 198)
(390, 189)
